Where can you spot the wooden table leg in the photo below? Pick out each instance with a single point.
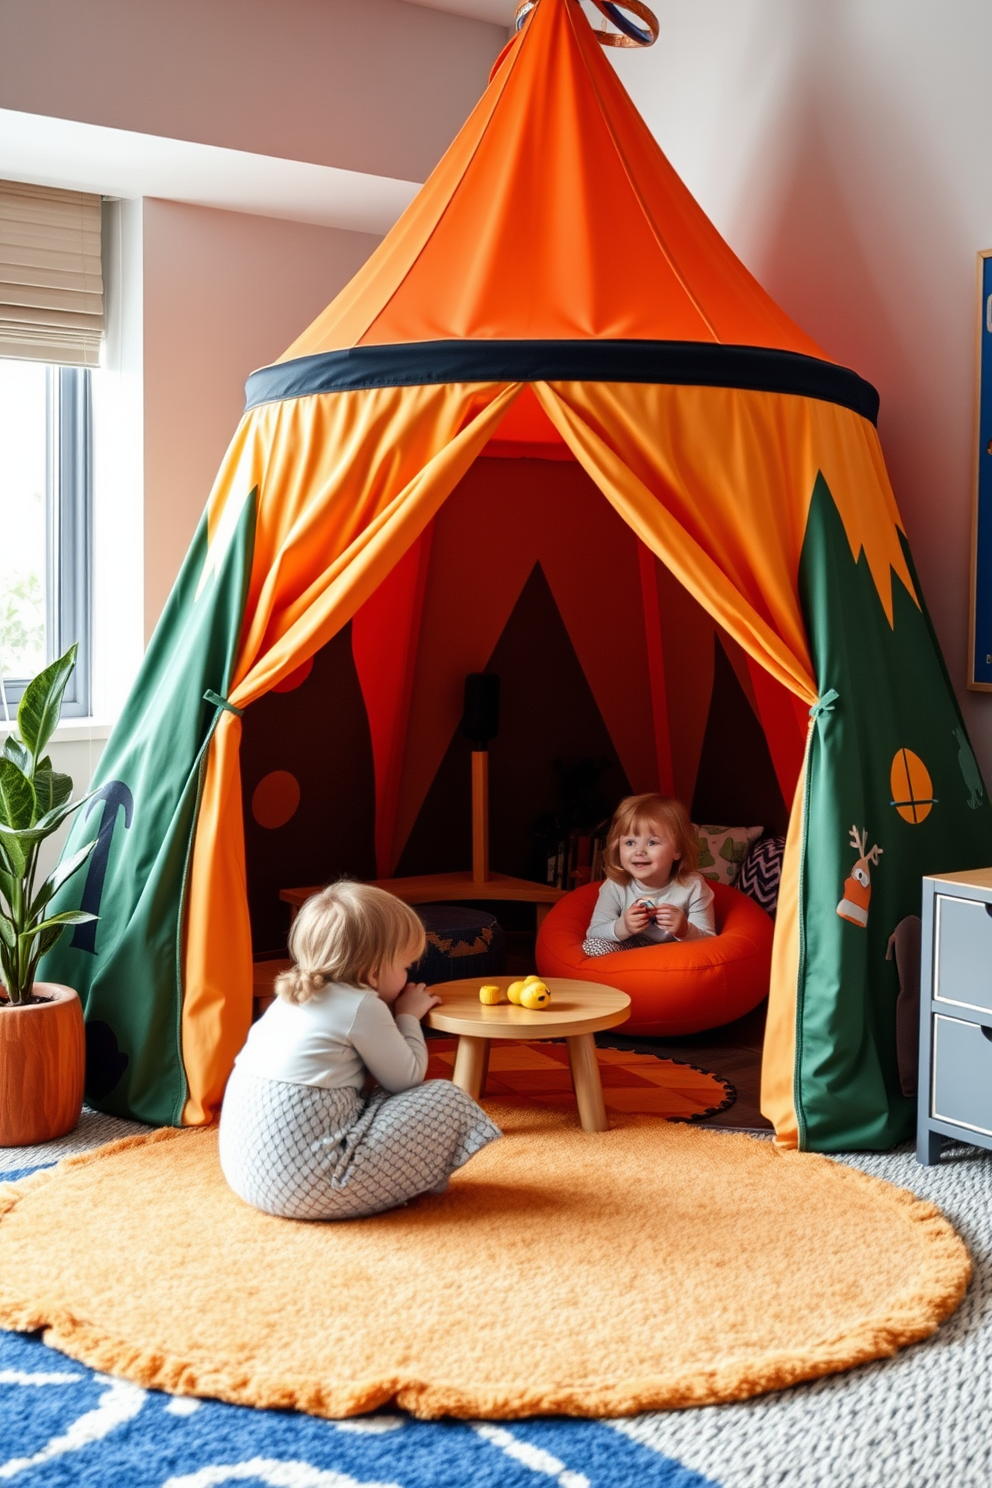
(586, 1082)
(471, 1064)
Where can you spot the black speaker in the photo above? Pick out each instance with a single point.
(480, 720)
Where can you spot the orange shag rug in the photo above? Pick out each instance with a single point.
(635, 1083)
(649, 1266)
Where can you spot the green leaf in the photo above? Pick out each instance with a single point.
(14, 859)
(36, 942)
(17, 800)
(6, 880)
(14, 750)
(38, 713)
(50, 935)
(60, 875)
(7, 933)
(51, 789)
(70, 917)
(26, 837)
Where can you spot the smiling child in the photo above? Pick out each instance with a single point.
(652, 891)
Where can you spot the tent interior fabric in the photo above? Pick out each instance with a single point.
(553, 386)
(526, 572)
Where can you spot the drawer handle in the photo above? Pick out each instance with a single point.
(987, 1032)
(988, 908)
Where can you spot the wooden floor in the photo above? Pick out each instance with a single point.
(733, 1051)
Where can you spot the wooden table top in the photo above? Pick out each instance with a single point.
(575, 1007)
(437, 888)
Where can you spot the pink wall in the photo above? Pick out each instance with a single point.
(224, 293)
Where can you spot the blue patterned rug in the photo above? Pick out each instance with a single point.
(60, 1423)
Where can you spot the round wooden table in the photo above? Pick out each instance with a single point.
(577, 1011)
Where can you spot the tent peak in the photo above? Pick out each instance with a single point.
(553, 216)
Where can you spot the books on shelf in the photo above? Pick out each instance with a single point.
(576, 859)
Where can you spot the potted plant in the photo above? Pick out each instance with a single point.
(42, 1044)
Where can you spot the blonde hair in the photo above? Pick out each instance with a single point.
(635, 813)
(345, 934)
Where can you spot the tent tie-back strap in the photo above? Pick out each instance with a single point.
(824, 704)
(214, 697)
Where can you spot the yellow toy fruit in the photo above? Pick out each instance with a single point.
(535, 995)
(514, 990)
(489, 994)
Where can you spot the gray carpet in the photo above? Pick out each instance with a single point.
(919, 1420)
(94, 1130)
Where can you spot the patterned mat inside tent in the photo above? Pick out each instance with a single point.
(637, 1084)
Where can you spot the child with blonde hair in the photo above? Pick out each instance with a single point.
(652, 891)
(298, 1137)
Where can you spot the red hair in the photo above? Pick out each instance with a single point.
(633, 815)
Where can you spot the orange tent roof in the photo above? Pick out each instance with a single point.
(553, 215)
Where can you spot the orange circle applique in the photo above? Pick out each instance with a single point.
(275, 799)
(912, 788)
(295, 679)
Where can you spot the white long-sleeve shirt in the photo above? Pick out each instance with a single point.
(333, 1040)
(694, 899)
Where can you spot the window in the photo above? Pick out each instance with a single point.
(45, 461)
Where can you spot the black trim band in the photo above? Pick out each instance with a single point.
(688, 363)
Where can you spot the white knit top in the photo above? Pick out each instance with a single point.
(334, 1039)
(694, 899)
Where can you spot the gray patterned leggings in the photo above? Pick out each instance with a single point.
(304, 1152)
(595, 945)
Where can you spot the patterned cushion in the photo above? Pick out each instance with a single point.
(761, 871)
(461, 942)
(722, 850)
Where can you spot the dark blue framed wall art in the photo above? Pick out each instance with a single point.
(980, 649)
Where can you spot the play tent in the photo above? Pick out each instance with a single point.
(555, 295)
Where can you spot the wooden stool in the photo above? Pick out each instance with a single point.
(577, 1011)
(264, 974)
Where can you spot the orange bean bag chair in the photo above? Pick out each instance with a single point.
(673, 989)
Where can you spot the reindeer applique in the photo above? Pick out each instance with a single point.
(857, 889)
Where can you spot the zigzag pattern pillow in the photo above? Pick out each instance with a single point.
(761, 871)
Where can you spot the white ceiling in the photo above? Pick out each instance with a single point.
(120, 162)
(500, 12)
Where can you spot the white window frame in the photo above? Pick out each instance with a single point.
(68, 537)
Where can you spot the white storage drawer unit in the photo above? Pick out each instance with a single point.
(955, 1088)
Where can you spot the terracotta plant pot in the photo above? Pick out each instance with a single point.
(42, 1066)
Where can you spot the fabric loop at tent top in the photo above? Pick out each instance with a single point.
(687, 363)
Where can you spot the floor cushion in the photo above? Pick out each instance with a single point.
(673, 988)
(461, 942)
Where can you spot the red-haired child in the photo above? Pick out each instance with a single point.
(652, 892)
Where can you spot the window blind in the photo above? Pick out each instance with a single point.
(51, 278)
